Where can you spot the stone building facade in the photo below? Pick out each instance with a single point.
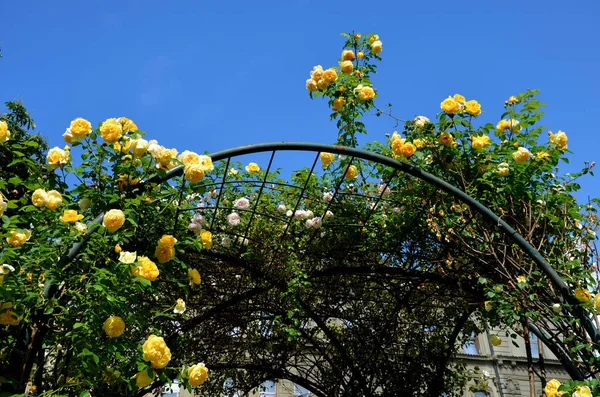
(497, 371)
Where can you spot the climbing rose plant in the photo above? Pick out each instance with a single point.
(119, 315)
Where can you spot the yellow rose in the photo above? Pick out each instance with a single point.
(80, 227)
(70, 216)
(351, 172)
(419, 143)
(582, 391)
(194, 276)
(326, 158)
(446, 139)
(503, 169)
(373, 38)
(543, 155)
(360, 55)
(127, 125)
(164, 253)
(376, 46)
(521, 155)
(582, 295)
(39, 198)
(473, 108)
(205, 163)
(193, 173)
(54, 199)
(317, 73)
(329, 75)
(460, 99)
(322, 84)
(449, 105)
(127, 257)
(18, 238)
(366, 94)
(488, 306)
(480, 142)
(495, 340)
(206, 238)
(80, 128)
(145, 269)
(408, 149)
(168, 240)
(7, 316)
(125, 181)
(68, 136)
(559, 139)
(252, 167)
(114, 326)
(164, 157)
(3, 205)
(197, 374)
(4, 132)
(113, 220)
(338, 103)
(156, 351)
(503, 125)
(597, 302)
(189, 158)
(311, 85)
(397, 145)
(123, 148)
(142, 379)
(521, 279)
(347, 67)
(513, 99)
(111, 131)
(57, 157)
(139, 147)
(551, 388)
(118, 248)
(347, 55)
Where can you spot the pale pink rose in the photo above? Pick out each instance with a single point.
(241, 203)
(233, 219)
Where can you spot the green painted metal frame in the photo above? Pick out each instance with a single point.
(539, 260)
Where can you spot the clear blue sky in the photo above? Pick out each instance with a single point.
(204, 75)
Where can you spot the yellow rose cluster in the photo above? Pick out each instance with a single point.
(400, 147)
(145, 268)
(111, 130)
(320, 79)
(559, 140)
(458, 104)
(195, 166)
(197, 374)
(156, 351)
(51, 200)
(165, 250)
(4, 132)
(511, 125)
(480, 142)
(114, 326)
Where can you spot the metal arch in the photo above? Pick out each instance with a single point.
(542, 264)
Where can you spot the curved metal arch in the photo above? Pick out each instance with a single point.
(538, 259)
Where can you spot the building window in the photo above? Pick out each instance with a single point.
(472, 345)
(228, 389)
(268, 389)
(300, 391)
(534, 343)
(480, 394)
